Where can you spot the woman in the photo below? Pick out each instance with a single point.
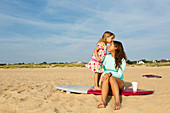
(114, 65)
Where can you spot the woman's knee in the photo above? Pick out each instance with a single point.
(107, 74)
(105, 80)
(112, 78)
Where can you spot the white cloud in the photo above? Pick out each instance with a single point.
(141, 25)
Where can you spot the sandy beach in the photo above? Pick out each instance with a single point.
(33, 91)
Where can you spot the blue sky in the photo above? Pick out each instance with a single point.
(68, 30)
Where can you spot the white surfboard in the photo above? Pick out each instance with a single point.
(90, 90)
(74, 88)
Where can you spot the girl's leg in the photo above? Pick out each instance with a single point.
(96, 80)
(105, 91)
(116, 85)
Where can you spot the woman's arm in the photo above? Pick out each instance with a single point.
(120, 71)
(106, 76)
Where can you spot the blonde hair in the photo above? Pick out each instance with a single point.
(106, 34)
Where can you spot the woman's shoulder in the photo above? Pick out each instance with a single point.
(109, 56)
(123, 60)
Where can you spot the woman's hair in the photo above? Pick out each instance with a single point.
(106, 34)
(119, 54)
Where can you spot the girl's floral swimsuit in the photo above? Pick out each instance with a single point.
(93, 64)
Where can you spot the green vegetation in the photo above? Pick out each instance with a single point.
(12, 66)
(70, 65)
(53, 65)
(131, 62)
(42, 65)
(158, 64)
(148, 63)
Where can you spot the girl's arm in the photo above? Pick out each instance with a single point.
(96, 54)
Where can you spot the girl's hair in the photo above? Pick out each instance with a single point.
(106, 34)
(119, 54)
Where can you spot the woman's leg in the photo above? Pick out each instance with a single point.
(116, 85)
(96, 80)
(105, 91)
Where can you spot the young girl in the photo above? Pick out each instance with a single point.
(95, 63)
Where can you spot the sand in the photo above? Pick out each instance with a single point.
(33, 91)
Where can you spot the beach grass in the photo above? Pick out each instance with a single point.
(70, 65)
(151, 64)
(158, 64)
(13, 66)
(53, 65)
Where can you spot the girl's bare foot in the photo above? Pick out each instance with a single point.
(117, 106)
(101, 105)
(97, 88)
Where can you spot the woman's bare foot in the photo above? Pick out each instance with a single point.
(97, 88)
(117, 106)
(101, 105)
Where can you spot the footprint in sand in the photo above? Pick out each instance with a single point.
(30, 104)
(56, 110)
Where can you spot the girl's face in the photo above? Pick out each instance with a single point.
(109, 39)
(111, 47)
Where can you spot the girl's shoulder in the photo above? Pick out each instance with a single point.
(101, 43)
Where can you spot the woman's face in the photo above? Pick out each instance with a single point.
(111, 47)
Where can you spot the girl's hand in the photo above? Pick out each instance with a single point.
(98, 59)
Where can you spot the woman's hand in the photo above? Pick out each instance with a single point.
(106, 76)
